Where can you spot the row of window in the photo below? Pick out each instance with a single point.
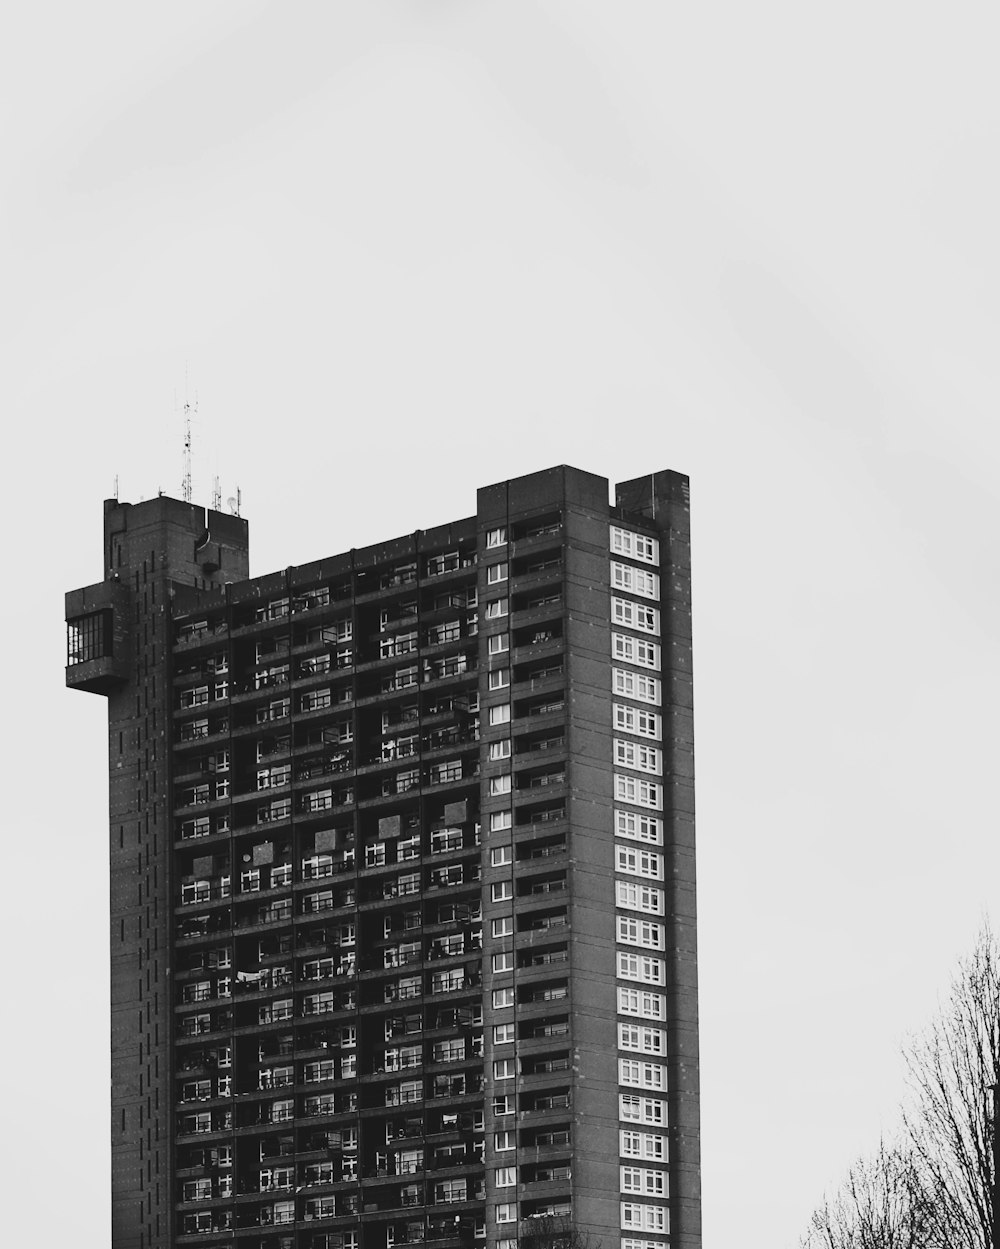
(645, 1005)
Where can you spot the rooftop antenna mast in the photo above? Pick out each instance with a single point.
(217, 496)
(186, 489)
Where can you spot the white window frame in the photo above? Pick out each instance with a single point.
(634, 580)
(649, 1145)
(634, 545)
(631, 930)
(633, 615)
(633, 650)
(636, 897)
(638, 862)
(642, 1003)
(638, 755)
(637, 685)
(636, 1215)
(642, 967)
(632, 1108)
(637, 720)
(637, 826)
(642, 1075)
(646, 1181)
(639, 792)
(642, 1039)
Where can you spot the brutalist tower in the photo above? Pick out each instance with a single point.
(403, 941)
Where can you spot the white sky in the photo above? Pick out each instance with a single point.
(402, 249)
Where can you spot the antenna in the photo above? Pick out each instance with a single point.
(116, 487)
(186, 490)
(216, 496)
(234, 503)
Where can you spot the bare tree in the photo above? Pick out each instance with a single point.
(552, 1231)
(935, 1191)
(882, 1204)
(952, 1068)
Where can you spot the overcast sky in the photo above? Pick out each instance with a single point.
(397, 250)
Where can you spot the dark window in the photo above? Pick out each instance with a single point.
(88, 637)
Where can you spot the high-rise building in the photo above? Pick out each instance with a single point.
(402, 877)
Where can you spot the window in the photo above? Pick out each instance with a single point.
(503, 1069)
(504, 1104)
(499, 821)
(447, 1191)
(638, 755)
(643, 793)
(636, 685)
(637, 720)
(639, 827)
(503, 926)
(644, 1075)
(634, 545)
(499, 678)
(497, 608)
(634, 650)
(500, 855)
(634, 615)
(500, 749)
(634, 580)
(89, 637)
(503, 1141)
(496, 573)
(645, 1180)
(636, 1215)
(636, 1109)
(504, 961)
(500, 785)
(502, 890)
(498, 644)
(646, 1040)
(505, 1177)
(437, 564)
(496, 537)
(639, 862)
(503, 1033)
(638, 897)
(643, 1145)
(500, 715)
(644, 932)
(642, 967)
(502, 998)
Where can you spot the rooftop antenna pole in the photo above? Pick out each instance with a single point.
(186, 491)
(216, 496)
